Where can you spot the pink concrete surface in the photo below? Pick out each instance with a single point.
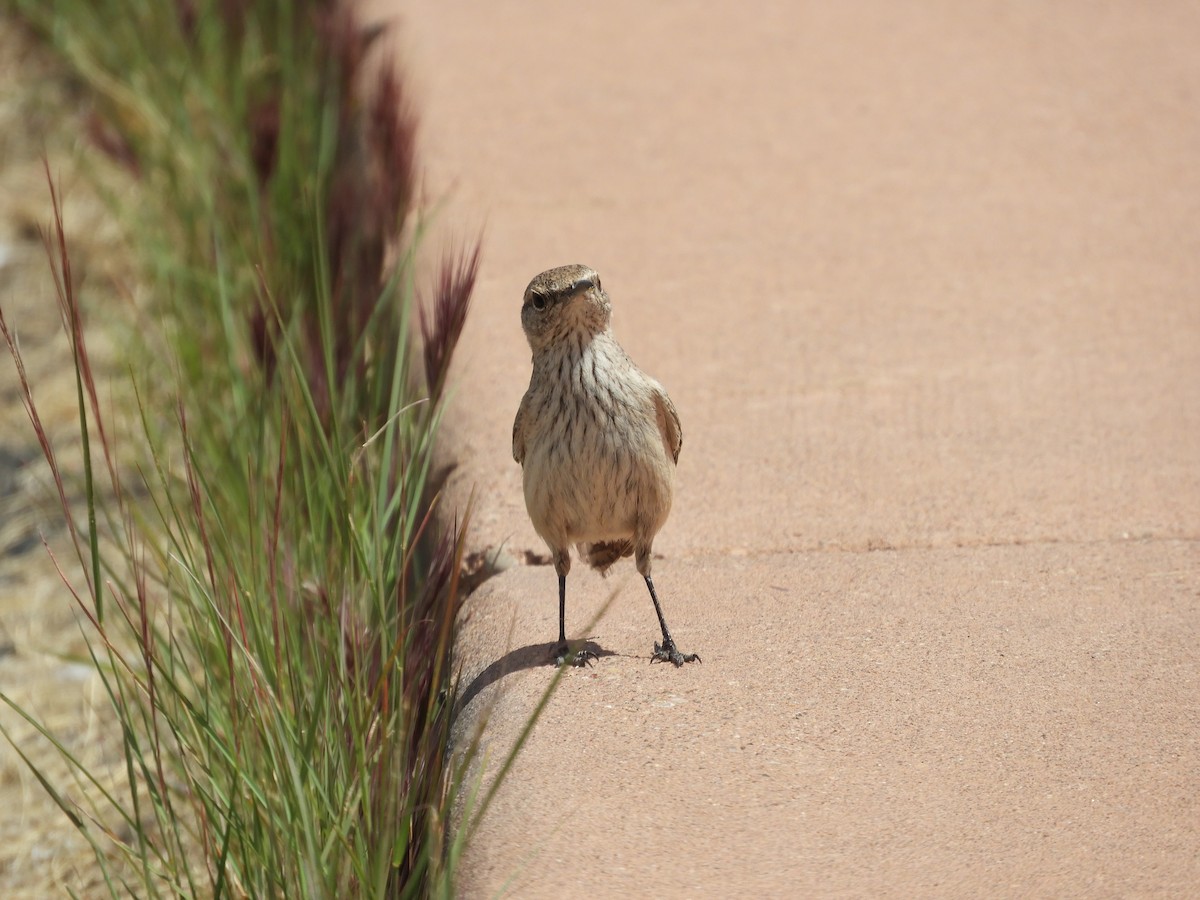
(923, 280)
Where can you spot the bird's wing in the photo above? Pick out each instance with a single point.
(519, 431)
(668, 422)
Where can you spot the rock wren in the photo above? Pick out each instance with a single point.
(597, 440)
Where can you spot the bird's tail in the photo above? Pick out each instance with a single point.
(602, 554)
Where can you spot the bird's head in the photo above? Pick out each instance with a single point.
(562, 301)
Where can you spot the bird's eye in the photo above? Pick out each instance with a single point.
(538, 301)
(598, 283)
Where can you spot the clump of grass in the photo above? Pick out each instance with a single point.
(268, 600)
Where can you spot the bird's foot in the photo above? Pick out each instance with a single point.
(580, 658)
(668, 653)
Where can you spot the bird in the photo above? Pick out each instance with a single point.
(597, 440)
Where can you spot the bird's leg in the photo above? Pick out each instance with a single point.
(667, 651)
(562, 650)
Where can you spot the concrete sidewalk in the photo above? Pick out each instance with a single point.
(923, 280)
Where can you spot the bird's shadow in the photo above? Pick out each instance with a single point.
(533, 656)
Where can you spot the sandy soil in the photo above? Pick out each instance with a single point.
(922, 280)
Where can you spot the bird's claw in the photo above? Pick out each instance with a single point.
(668, 653)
